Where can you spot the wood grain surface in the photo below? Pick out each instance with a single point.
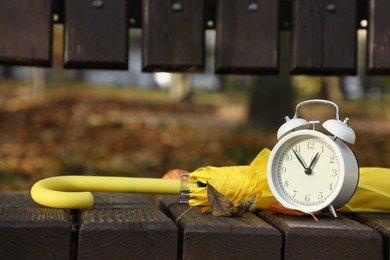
(29, 231)
(96, 36)
(173, 36)
(26, 32)
(204, 236)
(247, 40)
(324, 37)
(330, 238)
(378, 38)
(126, 226)
(379, 222)
(130, 226)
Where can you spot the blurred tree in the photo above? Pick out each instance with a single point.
(6, 71)
(180, 87)
(38, 82)
(271, 97)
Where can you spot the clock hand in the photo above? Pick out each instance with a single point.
(300, 160)
(313, 161)
(309, 169)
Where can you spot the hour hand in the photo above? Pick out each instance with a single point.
(313, 161)
(300, 160)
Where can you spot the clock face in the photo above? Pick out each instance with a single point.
(306, 172)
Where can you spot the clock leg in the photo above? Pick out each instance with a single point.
(332, 211)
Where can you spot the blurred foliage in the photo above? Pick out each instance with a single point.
(118, 132)
(129, 132)
(306, 86)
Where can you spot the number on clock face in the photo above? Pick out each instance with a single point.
(308, 171)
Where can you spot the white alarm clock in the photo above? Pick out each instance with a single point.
(308, 170)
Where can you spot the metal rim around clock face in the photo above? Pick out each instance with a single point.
(305, 171)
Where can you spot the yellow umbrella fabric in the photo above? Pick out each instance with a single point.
(241, 182)
(235, 182)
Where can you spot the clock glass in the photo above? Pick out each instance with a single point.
(307, 171)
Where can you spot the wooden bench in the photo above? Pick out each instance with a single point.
(134, 226)
(126, 226)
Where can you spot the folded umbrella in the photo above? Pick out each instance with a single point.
(237, 183)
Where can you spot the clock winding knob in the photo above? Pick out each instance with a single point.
(340, 130)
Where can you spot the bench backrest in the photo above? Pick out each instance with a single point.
(323, 34)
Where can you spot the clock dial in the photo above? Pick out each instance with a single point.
(307, 171)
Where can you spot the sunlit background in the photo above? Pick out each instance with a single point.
(127, 123)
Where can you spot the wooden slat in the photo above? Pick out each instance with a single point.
(96, 35)
(172, 35)
(340, 37)
(306, 33)
(324, 37)
(29, 231)
(126, 226)
(26, 32)
(247, 37)
(207, 237)
(379, 222)
(328, 238)
(378, 58)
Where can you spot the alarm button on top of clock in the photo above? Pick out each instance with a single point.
(340, 129)
(291, 125)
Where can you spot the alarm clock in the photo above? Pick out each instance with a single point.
(309, 170)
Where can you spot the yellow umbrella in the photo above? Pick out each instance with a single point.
(237, 183)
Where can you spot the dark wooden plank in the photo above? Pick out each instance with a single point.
(96, 34)
(29, 231)
(324, 37)
(207, 237)
(172, 35)
(379, 222)
(328, 238)
(247, 37)
(378, 38)
(26, 32)
(340, 37)
(126, 226)
(306, 36)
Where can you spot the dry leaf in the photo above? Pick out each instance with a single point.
(220, 205)
(278, 208)
(205, 209)
(173, 174)
(248, 204)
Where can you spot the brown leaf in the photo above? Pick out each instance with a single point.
(278, 208)
(220, 205)
(248, 204)
(205, 209)
(173, 174)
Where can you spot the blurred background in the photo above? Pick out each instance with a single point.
(127, 123)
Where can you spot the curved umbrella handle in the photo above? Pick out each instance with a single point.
(74, 192)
